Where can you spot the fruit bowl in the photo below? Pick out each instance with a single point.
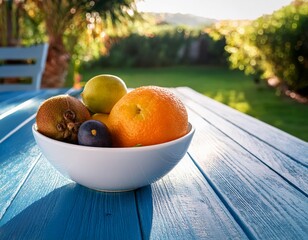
(113, 169)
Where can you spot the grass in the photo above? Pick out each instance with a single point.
(229, 87)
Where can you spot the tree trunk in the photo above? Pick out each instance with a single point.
(57, 64)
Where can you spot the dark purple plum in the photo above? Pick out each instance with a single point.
(94, 133)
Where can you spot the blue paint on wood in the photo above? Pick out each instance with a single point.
(231, 185)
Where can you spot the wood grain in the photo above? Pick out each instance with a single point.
(48, 206)
(235, 182)
(18, 155)
(4, 96)
(182, 205)
(38, 203)
(18, 114)
(282, 164)
(16, 99)
(261, 201)
(282, 141)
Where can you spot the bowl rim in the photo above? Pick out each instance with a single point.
(112, 149)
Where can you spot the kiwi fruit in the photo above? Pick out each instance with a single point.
(60, 117)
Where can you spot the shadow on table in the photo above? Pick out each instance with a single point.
(145, 210)
(76, 212)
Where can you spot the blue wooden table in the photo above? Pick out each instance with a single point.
(241, 179)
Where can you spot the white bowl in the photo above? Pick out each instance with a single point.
(113, 169)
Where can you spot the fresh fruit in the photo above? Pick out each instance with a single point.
(102, 92)
(94, 133)
(102, 117)
(146, 116)
(59, 117)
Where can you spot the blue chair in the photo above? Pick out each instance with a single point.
(33, 70)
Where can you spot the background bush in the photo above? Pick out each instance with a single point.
(282, 39)
(166, 47)
(271, 46)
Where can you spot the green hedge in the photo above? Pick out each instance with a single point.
(165, 48)
(283, 39)
(272, 46)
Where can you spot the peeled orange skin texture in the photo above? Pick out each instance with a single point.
(146, 116)
(102, 92)
(50, 114)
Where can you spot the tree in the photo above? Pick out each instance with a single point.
(271, 46)
(13, 16)
(66, 23)
(282, 38)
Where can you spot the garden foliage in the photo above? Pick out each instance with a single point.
(283, 40)
(75, 30)
(166, 47)
(271, 46)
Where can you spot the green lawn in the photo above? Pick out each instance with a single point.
(229, 87)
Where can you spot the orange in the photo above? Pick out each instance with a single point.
(146, 116)
(102, 117)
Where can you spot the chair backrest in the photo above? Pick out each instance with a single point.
(38, 53)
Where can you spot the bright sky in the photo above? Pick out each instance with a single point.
(218, 9)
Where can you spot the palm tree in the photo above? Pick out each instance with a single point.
(68, 19)
(10, 13)
(65, 22)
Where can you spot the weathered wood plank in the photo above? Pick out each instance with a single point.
(48, 206)
(284, 142)
(262, 202)
(27, 109)
(17, 99)
(182, 205)
(4, 96)
(291, 170)
(18, 152)
(44, 201)
(232, 187)
(34, 197)
(18, 155)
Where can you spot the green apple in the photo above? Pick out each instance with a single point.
(102, 92)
